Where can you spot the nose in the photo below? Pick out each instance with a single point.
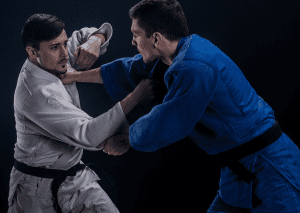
(64, 52)
(133, 42)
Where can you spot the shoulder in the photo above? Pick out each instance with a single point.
(197, 48)
(189, 67)
(39, 91)
(190, 71)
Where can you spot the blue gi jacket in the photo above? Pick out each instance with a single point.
(206, 87)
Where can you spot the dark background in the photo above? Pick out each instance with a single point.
(261, 37)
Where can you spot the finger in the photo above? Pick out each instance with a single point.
(106, 150)
(114, 153)
(91, 62)
(76, 54)
(82, 58)
(88, 62)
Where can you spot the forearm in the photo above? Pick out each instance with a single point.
(128, 104)
(91, 76)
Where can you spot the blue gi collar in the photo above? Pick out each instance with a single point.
(180, 44)
(165, 67)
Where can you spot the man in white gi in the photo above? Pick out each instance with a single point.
(52, 130)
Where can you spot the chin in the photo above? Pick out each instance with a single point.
(62, 69)
(147, 61)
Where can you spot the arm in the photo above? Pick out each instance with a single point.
(122, 76)
(51, 112)
(191, 85)
(92, 76)
(84, 47)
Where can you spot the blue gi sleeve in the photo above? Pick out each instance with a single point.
(121, 76)
(191, 85)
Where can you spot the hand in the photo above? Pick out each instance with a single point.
(69, 76)
(87, 53)
(117, 144)
(146, 91)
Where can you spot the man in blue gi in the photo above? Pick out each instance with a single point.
(209, 100)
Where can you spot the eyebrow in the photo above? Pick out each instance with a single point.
(56, 44)
(135, 32)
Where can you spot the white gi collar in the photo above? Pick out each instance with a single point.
(38, 72)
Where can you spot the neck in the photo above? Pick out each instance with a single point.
(36, 63)
(168, 52)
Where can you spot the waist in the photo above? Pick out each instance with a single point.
(267, 138)
(47, 173)
(42, 186)
(48, 157)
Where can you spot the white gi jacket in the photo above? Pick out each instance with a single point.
(52, 130)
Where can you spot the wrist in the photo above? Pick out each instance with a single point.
(77, 76)
(128, 103)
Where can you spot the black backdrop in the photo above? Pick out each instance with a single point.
(261, 36)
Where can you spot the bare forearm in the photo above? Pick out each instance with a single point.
(128, 104)
(91, 76)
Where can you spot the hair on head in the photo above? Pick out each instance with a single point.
(163, 16)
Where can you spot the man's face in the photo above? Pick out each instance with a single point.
(144, 45)
(53, 54)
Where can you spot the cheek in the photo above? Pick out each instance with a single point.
(140, 43)
(143, 47)
(51, 59)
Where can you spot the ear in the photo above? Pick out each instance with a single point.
(33, 54)
(157, 39)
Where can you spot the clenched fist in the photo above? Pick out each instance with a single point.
(87, 53)
(117, 144)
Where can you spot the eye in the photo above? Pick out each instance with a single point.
(54, 47)
(66, 44)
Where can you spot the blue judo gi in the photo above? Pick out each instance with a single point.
(205, 87)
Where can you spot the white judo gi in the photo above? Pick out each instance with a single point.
(52, 132)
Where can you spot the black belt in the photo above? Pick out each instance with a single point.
(60, 176)
(230, 158)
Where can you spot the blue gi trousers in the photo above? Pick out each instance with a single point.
(276, 193)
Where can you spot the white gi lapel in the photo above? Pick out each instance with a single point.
(73, 92)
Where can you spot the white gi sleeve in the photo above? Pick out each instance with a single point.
(49, 110)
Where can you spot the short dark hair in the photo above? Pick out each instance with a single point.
(163, 16)
(41, 27)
